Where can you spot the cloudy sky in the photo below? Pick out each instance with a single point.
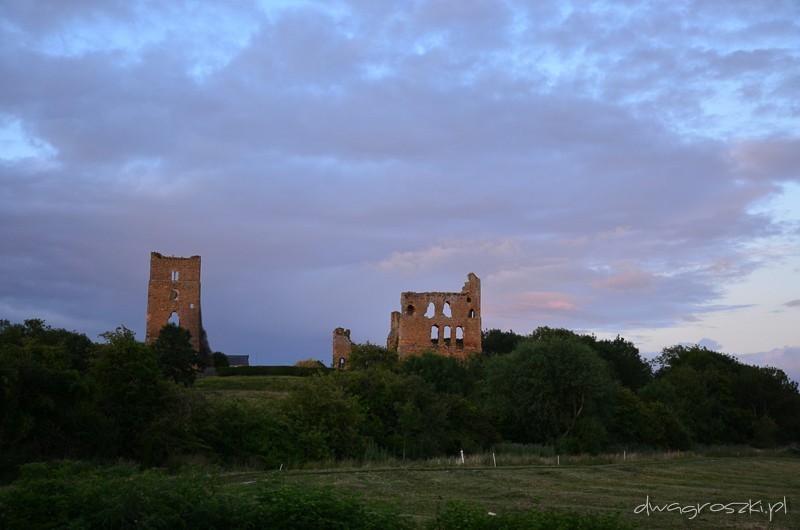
(624, 167)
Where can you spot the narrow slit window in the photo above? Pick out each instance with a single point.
(434, 334)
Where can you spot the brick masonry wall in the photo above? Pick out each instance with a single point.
(426, 319)
(341, 348)
(174, 287)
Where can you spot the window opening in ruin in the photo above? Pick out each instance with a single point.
(469, 300)
(173, 295)
(431, 310)
(410, 309)
(174, 318)
(341, 363)
(175, 276)
(447, 335)
(447, 311)
(471, 313)
(191, 306)
(434, 335)
(459, 337)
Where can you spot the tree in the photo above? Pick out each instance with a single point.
(626, 365)
(368, 355)
(541, 391)
(446, 374)
(119, 336)
(697, 384)
(44, 398)
(497, 342)
(771, 401)
(41, 392)
(325, 419)
(545, 333)
(127, 391)
(219, 359)
(174, 354)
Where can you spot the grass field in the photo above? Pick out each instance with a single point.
(619, 487)
(262, 386)
(531, 478)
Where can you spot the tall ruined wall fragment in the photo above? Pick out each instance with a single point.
(174, 289)
(342, 346)
(445, 323)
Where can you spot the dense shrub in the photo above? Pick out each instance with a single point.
(77, 495)
(63, 396)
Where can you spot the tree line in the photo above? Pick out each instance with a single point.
(63, 395)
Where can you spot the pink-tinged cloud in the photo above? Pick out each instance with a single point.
(793, 303)
(786, 358)
(771, 159)
(629, 280)
(448, 254)
(535, 304)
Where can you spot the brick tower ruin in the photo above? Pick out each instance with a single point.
(341, 348)
(444, 323)
(174, 291)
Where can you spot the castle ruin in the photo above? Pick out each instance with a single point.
(173, 294)
(342, 346)
(444, 323)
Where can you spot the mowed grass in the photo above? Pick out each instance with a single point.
(600, 484)
(253, 386)
(618, 487)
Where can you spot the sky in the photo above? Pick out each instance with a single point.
(617, 168)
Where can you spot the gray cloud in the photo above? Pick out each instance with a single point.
(322, 160)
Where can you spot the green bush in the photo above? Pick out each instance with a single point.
(77, 495)
(292, 507)
(241, 431)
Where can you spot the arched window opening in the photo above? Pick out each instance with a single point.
(175, 276)
(471, 313)
(174, 318)
(435, 335)
(447, 335)
(341, 363)
(409, 309)
(173, 294)
(431, 310)
(447, 311)
(459, 337)
(191, 306)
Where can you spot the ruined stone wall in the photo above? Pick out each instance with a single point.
(174, 288)
(445, 323)
(342, 346)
